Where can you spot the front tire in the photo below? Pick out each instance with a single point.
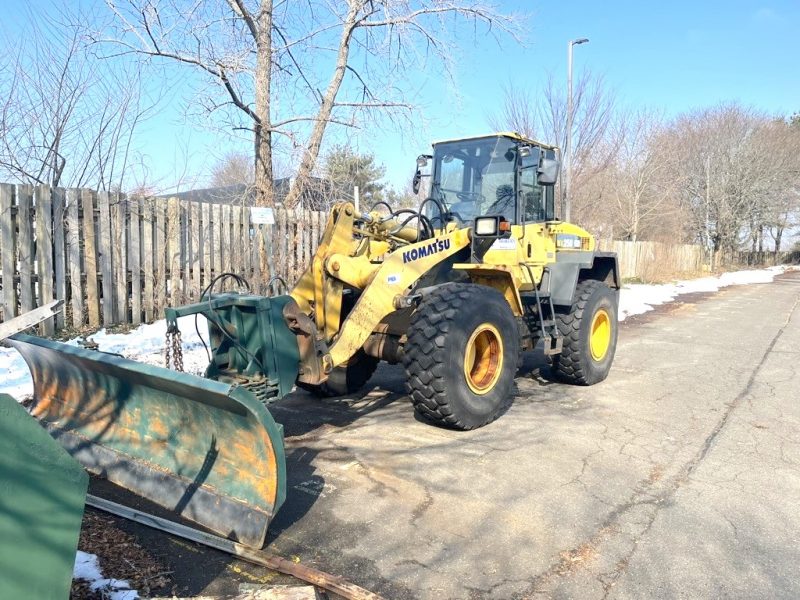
(461, 356)
(589, 332)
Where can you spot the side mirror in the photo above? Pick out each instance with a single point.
(529, 156)
(422, 162)
(548, 171)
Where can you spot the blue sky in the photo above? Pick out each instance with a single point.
(672, 57)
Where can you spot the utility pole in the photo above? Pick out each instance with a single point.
(565, 209)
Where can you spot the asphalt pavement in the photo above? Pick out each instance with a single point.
(679, 476)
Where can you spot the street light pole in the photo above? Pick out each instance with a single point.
(568, 146)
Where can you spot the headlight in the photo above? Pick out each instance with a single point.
(486, 226)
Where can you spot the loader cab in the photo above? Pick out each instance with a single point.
(501, 175)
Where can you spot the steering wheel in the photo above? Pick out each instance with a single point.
(466, 196)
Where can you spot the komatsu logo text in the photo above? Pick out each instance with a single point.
(432, 248)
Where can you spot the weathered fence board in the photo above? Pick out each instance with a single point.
(118, 227)
(25, 247)
(160, 251)
(207, 244)
(8, 251)
(174, 250)
(196, 248)
(44, 253)
(90, 258)
(148, 260)
(106, 253)
(59, 251)
(134, 258)
(74, 255)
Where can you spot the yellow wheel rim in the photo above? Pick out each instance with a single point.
(483, 359)
(600, 334)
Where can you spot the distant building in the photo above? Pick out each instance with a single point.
(319, 194)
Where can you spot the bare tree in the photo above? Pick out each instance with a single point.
(642, 186)
(542, 114)
(782, 207)
(732, 165)
(292, 69)
(234, 168)
(64, 119)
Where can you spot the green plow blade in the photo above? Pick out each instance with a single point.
(207, 450)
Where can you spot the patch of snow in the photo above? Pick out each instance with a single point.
(637, 298)
(143, 344)
(87, 568)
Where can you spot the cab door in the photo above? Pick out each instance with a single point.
(535, 209)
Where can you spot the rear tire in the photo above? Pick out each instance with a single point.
(461, 356)
(347, 378)
(589, 331)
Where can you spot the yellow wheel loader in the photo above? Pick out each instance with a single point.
(455, 291)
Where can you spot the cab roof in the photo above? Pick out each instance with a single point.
(517, 137)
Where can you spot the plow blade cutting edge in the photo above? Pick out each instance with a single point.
(209, 451)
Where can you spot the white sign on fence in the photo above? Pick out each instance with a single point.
(260, 215)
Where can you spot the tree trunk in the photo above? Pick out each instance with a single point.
(265, 188)
(325, 111)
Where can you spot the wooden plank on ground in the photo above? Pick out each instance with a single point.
(44, 253)
(74, 255)
(8, 250)
(59, 250)
(25, 246)
(148, 258)
(174, 250)
(134, 257)
(105, 253)
(120, 260)
(90, 258)
(29, 319)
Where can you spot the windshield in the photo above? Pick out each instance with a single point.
(475, 177)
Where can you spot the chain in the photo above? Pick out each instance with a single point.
(173, 348)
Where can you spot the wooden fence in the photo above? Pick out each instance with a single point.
(654, 261)
(116, 259)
